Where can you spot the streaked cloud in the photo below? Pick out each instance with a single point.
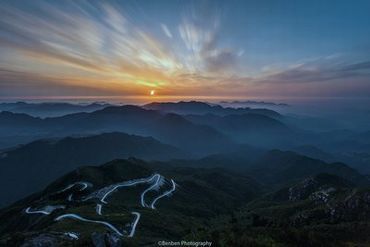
(109, 46)
(166, 31)
(96, 48)
(318, 71)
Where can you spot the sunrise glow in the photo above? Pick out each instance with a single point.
(188, 49)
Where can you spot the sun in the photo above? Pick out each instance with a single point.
(152, 92)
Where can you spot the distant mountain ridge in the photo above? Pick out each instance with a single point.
(50, 109)
(253, 102)
(197, 107)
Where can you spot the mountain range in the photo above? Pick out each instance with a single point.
(128, 175)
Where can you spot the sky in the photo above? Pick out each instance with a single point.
(231, 49)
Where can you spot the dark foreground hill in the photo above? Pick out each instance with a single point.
(127, 201)
(30, 167)
(322, 210)
(278, 199)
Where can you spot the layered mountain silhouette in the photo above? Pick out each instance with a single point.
(106, 175)
(168, 128)
(30, 167)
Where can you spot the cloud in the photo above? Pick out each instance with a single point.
(166, 31)
(100, 43)
(79, 39)
(13, 82)
(317, 71)
(96, 48)
(364, 66)
(200, 32)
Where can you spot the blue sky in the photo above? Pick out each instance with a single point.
(185, 48)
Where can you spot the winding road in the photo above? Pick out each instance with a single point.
(72, 235)
(98, 208)
(155, 185)
(84, 186)
(134, 224)
(75, 216)
(127, 184)
(103, 194)
(45, 210)
(167, 193)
